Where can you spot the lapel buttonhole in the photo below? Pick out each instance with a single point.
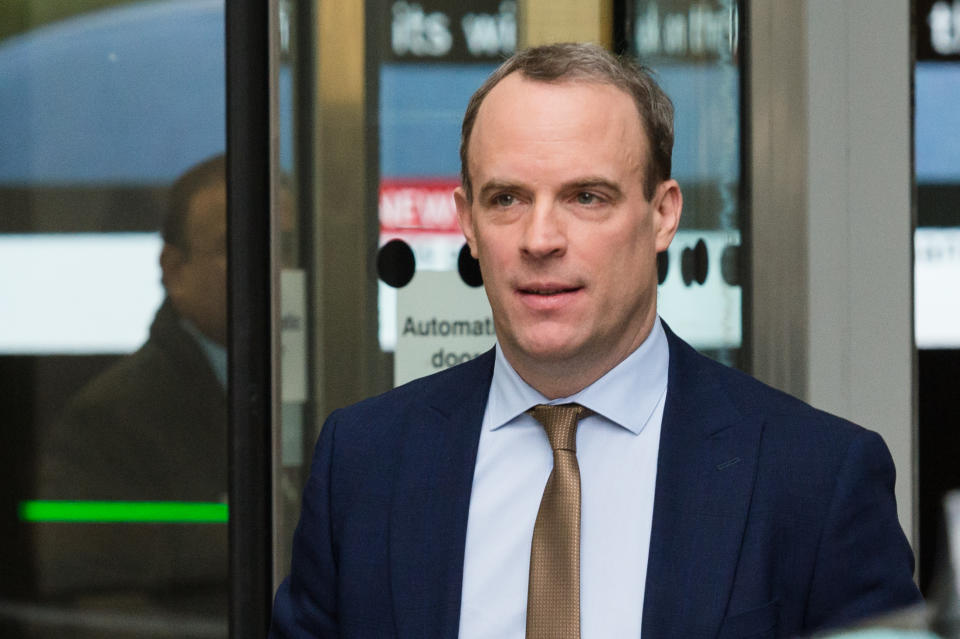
(728, 463)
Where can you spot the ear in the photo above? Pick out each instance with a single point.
(465, 219)
(667, 206)
(172, 260)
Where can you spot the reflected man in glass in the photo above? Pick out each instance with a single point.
(152, 427)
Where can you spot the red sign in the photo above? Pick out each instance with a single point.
(418, 205)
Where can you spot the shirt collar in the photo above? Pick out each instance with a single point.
(627, 394)
(215, 354)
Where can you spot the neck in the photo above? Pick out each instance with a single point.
(562, 377)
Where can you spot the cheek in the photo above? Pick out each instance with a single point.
(492, 251)
(214, 269)
(618, 251)
(622, 266)
(496, 274)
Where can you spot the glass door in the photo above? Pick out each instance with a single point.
(936, 81)
(375, 288)
(367, 247)
(113, 346)
(694, 48)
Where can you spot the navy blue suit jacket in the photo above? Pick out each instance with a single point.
(771, 519)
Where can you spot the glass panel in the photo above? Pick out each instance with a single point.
(374, 294)
(936, 270)
(693, 46)
(113, 281)
(291, 237)
(431, 59)
(937, 240)
(370, 126)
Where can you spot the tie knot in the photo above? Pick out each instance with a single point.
(560, 422)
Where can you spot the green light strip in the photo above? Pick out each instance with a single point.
(124, 512)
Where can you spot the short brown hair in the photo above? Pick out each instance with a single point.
(576, 62)
(210, 172)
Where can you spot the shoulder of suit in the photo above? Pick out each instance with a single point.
(130, 376)
(446, 387)
(761, 401)
(146, 382)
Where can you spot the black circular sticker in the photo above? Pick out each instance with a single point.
(396, 263)
(469, 268)
(663, 266)
(694, 263)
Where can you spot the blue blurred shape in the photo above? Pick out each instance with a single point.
(937, 122)
(421, 108)
(422, 105)
(128, 95)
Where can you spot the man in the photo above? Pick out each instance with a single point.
(152, 427)
(712, 506)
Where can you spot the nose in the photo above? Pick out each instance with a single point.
(544, 233)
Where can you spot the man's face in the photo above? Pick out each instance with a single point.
(196, 279)
(566, 240)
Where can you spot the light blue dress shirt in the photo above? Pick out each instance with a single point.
(617, 453)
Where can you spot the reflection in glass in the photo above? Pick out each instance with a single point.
(692, 46)
(152, 427)
(369, 98)
(116, 516)
(431, 59)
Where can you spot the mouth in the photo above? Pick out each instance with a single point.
(548, 297)
(550, 291)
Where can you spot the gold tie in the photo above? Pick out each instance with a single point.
(553, 596)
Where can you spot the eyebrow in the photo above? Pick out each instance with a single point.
(496, 185)
(593, 183)
(586, 183)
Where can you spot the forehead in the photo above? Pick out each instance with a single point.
(536, 120)
(207, 213)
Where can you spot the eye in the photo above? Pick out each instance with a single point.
(503, 199)
(586, 198)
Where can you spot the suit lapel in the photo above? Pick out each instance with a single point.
(430, 504)
(705, 475)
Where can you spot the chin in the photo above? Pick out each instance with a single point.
(557, 350)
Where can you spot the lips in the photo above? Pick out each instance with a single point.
(549, 291)
(548, 288)
(548, 296)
